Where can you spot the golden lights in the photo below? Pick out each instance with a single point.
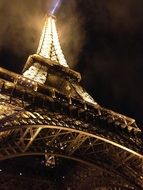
(49, 45)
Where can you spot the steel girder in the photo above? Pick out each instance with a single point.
(36, 124)
(73, 144)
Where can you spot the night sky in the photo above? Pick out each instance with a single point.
(101, 39)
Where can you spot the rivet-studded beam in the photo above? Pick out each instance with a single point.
(103, 119)
(59, 142)
(61, 135)
(33, 122)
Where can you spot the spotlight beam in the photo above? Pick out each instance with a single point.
(55, 7)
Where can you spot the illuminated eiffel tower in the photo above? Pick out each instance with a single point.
(46, 112)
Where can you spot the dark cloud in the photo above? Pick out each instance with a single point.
(71, 33)
(113, 66)
(22, 24)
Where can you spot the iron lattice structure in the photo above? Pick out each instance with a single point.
(45, 111)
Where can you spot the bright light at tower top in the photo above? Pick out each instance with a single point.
(57, 4)
(49, 45)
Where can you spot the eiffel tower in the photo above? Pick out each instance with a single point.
(45, 111)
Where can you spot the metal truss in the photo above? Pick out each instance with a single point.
(47, 112)
(61, 142)
(37, 124)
